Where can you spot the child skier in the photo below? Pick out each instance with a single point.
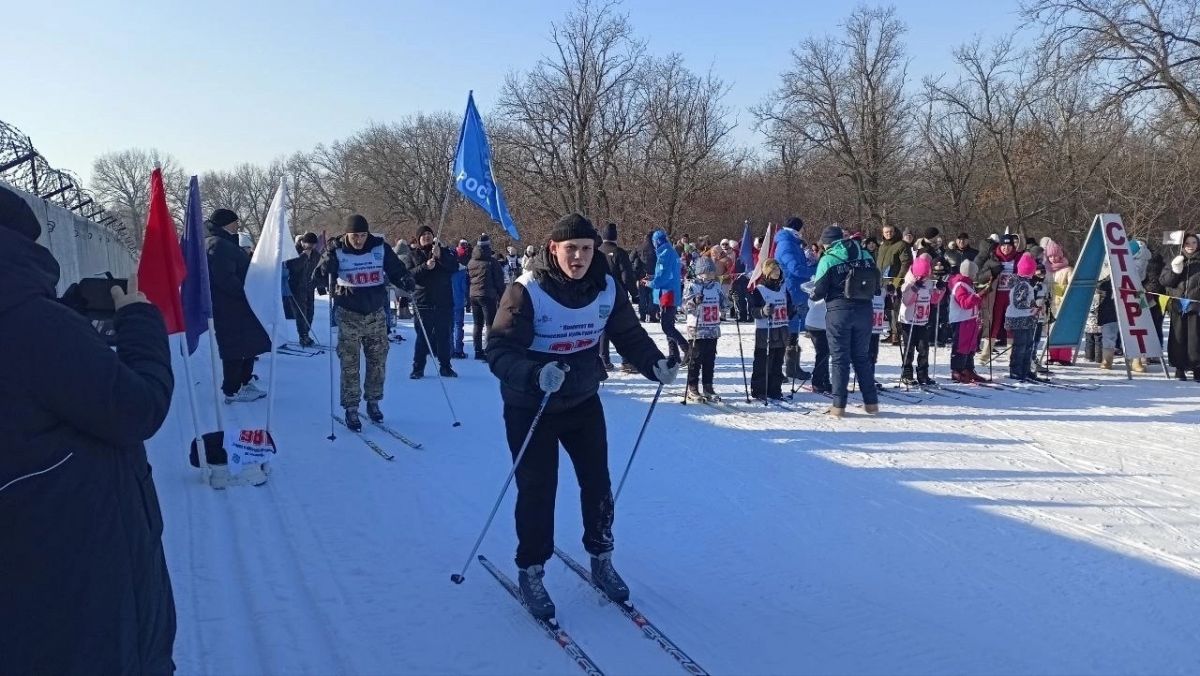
(964, 317)
(917, 296)
(704, 303)
(1020, 320)
(814, 324)
(769, 306)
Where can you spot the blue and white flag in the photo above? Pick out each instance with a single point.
(473, 170)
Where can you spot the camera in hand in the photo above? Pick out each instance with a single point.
(92, 298)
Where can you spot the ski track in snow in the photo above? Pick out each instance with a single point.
(1043, 532)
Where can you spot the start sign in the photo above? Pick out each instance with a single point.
(1139, 338)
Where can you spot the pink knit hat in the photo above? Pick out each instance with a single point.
(1026, 267)
(922, 266)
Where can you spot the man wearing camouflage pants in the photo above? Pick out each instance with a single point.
(363, 265)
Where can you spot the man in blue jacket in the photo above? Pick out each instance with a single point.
(84, 587)
(668, 288)
(789, 253)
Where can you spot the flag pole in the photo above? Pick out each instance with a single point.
(445, 207)
(271, 376)
(201, 451)
(216, 374)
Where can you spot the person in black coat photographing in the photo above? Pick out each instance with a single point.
(84, 586)
(240, 336)
(543, 347)
(432, 266)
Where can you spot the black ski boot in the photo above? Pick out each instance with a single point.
(447, 372)
(1180, 374)
(533, 592)
(352, 420)
(373, 411)
(605, 577)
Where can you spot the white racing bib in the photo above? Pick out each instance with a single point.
(708, 311)
(878, 320)
(558, 329)
(777, 299)
(361, 269)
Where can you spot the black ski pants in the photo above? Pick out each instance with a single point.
(848, 328)
(916, 342)
(675, 339)
(582, 432)
(236, 372)
(702, 362)
(437, 321)
(304, 312)
(820, 372)
(483, 312)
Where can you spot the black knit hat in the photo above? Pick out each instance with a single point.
(484, 240)
(16, 215)
(831, 234)
(421, 230)
(610, 232)
(963, 235)
(1008, 238)
(572, 226)
(794, 223)
(932, 232)
(309, 238)
(356, 223)
(223, 217)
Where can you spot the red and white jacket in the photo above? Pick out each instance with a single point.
(917, 298)
(964, 300)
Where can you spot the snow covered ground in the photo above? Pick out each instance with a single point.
(1056, 532)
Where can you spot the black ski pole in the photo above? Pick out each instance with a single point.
(459, 578)
(637, 444)
(937, 324)
(905, 353)
(742, 355)
(441, 380)
(332, 391)
(767, 370)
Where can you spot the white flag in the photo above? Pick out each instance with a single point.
(1174, 237)
(264, 280)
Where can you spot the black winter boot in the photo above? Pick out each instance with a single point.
(605, 577)
(373, 411)
(352, 420)
(533, 592)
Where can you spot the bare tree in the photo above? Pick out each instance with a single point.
(846, 97)
(996, 90)
(121, 181)
(571, 114)
(1134, 46)
(950, 156)
(409, 164)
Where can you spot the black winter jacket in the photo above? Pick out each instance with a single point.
(647, 258)
(364, 300)
(434, 288)
(619, 265)
(302, 274)
(1185, 284)
(486, 274)
(517, 366)
(84, 587)
(239, 333)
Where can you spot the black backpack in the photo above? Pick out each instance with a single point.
(862, 279)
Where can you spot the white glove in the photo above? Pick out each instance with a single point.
(665, 371)
(551, 377)
(1177, 265)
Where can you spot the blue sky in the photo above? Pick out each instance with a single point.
(219, 82)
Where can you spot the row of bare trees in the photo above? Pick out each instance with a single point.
(1094, 107)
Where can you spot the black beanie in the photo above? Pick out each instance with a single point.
(794, 223)
(356, 223)
(309, 238)
(17, 215)
(421, 230)
(484, 240)
(572, 226)
(223, 217)
(610, 232)
(932, 232)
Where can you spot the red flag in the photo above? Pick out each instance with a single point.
(161, 269)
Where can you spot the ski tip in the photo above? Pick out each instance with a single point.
(457, 578)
